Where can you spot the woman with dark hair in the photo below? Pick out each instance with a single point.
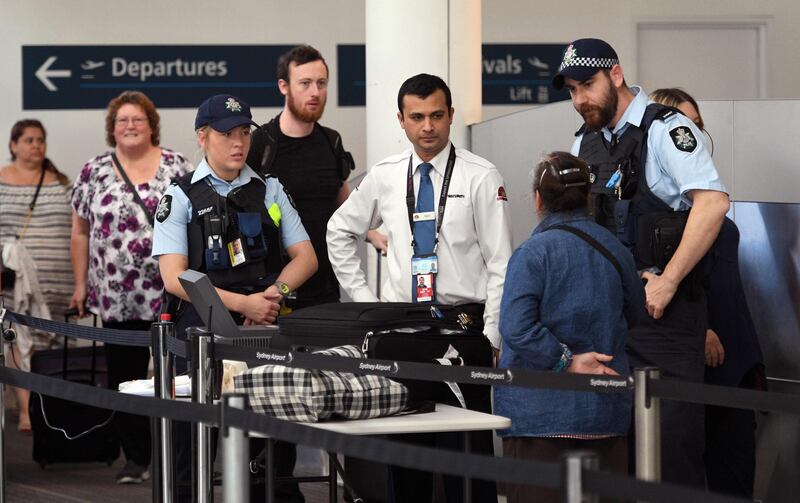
(34, 229)
(570, 295)
(732, 352)
(114, 201)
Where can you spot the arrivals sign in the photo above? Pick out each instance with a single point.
(516, 74)
(173, 76)
(513, 74)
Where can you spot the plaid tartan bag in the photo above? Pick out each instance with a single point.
(312, 395)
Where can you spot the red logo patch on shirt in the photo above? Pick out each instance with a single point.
(501, 194)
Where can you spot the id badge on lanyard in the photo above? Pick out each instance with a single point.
(423, 275)
(425, 266)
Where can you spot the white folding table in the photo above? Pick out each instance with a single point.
(445, 418)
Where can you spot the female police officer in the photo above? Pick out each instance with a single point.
(226, 221)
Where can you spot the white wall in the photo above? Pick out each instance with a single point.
(77, 135)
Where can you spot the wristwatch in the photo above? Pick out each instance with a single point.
(565, 360)
(283, 288)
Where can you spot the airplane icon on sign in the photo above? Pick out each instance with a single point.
(91, 65)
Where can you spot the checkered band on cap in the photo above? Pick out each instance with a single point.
(588, 62)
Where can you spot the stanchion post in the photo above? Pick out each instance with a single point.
(2, 410)
(647, 411)
(202, 388)
(574, 463)
(163, 370)
(235, 453)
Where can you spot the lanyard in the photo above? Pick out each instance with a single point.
(411, 200)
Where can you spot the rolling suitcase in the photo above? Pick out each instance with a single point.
(70, 432)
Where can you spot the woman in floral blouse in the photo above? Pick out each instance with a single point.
(115, 277)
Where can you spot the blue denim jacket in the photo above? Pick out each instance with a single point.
(559, 289)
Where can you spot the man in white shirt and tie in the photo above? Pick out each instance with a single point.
(448, 222)
(473, 244)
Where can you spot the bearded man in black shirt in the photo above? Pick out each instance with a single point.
(308, 159)
(312, 164)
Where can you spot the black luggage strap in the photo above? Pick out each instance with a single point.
(133, 189)
(595, 244)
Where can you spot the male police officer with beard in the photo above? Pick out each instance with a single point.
(655, 187)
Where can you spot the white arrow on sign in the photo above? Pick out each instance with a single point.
(44, 73)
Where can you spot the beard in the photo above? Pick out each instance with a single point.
(599, 116)
(303, 114)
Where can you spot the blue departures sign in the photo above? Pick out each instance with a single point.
(516, 74)
(352, 75)
(173, 76)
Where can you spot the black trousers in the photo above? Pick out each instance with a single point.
(675, 343)
(415, 486)
(126, 363)
(285, 454)
(730, 450)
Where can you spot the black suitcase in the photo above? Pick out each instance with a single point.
(91, 435)
(377, 327)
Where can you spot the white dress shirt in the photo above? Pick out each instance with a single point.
(474, 241)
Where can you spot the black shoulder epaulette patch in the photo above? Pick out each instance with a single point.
(164, 208)
(683, 139)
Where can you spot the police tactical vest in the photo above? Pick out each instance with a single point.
(621, 199)
(217, 221)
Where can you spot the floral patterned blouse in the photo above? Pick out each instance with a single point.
(124, 283)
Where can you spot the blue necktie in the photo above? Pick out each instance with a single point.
(425, 232)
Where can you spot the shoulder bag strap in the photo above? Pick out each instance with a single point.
(32, 205)
(595, 244)
(133, 189)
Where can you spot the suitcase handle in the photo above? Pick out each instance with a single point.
(71, 313)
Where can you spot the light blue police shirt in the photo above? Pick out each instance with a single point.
(170, 236)
(670, 171)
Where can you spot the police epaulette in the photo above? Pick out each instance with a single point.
(666, 113)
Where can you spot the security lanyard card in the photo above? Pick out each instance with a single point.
(423, 272)
(236, 252)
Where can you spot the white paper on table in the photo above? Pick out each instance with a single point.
(145, 387)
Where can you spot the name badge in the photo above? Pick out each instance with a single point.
(424, 216)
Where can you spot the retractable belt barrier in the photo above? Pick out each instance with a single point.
(426, 371)
(658, 388)
(385, 451)
(724, 396)
(139, 338)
